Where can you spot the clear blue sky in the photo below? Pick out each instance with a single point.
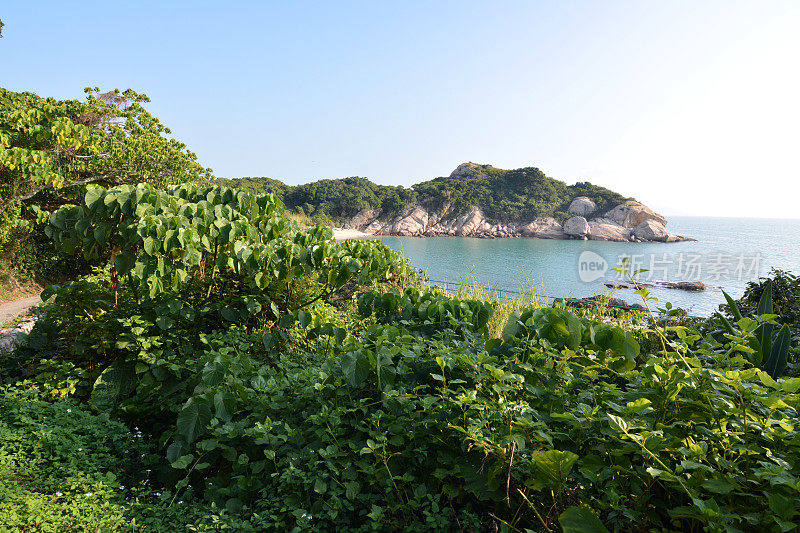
(692, 107)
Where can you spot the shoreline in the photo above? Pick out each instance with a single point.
(341, 234)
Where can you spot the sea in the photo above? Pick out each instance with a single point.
(728, 254)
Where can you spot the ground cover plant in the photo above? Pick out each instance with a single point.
(235, 371)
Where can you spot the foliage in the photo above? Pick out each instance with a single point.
(785, 289)
(767, 350)
(49, 149)
(504, 195)
(63, 468)
(214, 329)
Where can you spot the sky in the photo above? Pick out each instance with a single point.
(691, 107)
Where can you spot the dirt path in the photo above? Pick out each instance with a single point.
(17, 307)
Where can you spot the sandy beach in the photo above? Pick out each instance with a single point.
(343, 234)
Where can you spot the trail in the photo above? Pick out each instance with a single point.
(16, 308)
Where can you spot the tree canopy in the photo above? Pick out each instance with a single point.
(50, 149)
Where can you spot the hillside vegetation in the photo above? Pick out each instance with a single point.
(504, 195)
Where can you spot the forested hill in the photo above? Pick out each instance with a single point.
(503, 195)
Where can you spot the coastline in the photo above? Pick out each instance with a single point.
(342, 234)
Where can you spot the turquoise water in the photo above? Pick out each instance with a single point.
(728, 253)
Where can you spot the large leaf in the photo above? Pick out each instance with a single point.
(113, 384)
(737, 315)
(553, 466)
(192, 418)
(765, 303)
(780, 353)
(124, 262)
(581, 519)
(355, 368)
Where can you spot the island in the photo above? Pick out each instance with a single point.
(475, 200)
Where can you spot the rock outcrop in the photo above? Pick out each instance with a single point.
(468, 170)
(10, 337)
(632, 213)
(651, 230)
(603, 229)
(543, 228)
(626, 222)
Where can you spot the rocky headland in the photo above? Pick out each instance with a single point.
(630, 221)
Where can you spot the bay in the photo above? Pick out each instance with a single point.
(728, 253)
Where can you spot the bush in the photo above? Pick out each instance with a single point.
(213, 328)
(785, 297)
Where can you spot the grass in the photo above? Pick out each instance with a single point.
(527, 296)
(304, 221)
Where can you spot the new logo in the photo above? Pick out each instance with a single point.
(591, 266)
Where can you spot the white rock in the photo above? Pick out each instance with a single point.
(650, 230)
(576, 227)
(603, 229)
(632, 213)
(362, 220)
(543, 228)
(582, 205)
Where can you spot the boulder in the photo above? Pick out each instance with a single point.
(10, 337)
(576, 227)
(543, 228)
(651, 230)
(631, 214)
(582, 206)
(603, 229)
(374, 227)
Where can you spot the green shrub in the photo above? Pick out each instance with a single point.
(267, 404)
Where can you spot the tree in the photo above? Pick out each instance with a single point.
(50, 149)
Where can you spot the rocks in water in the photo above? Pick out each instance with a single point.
(582, 206)
(612, 285)
(543, 228)
(651, 230)
(693, 286)
(632, 213)
(603, 229)
(576, 227)
(597, 301)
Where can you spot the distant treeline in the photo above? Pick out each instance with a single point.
(504, 195)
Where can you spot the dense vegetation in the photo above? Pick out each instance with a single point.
(221, 368)
(504, 195)
(211, 365)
